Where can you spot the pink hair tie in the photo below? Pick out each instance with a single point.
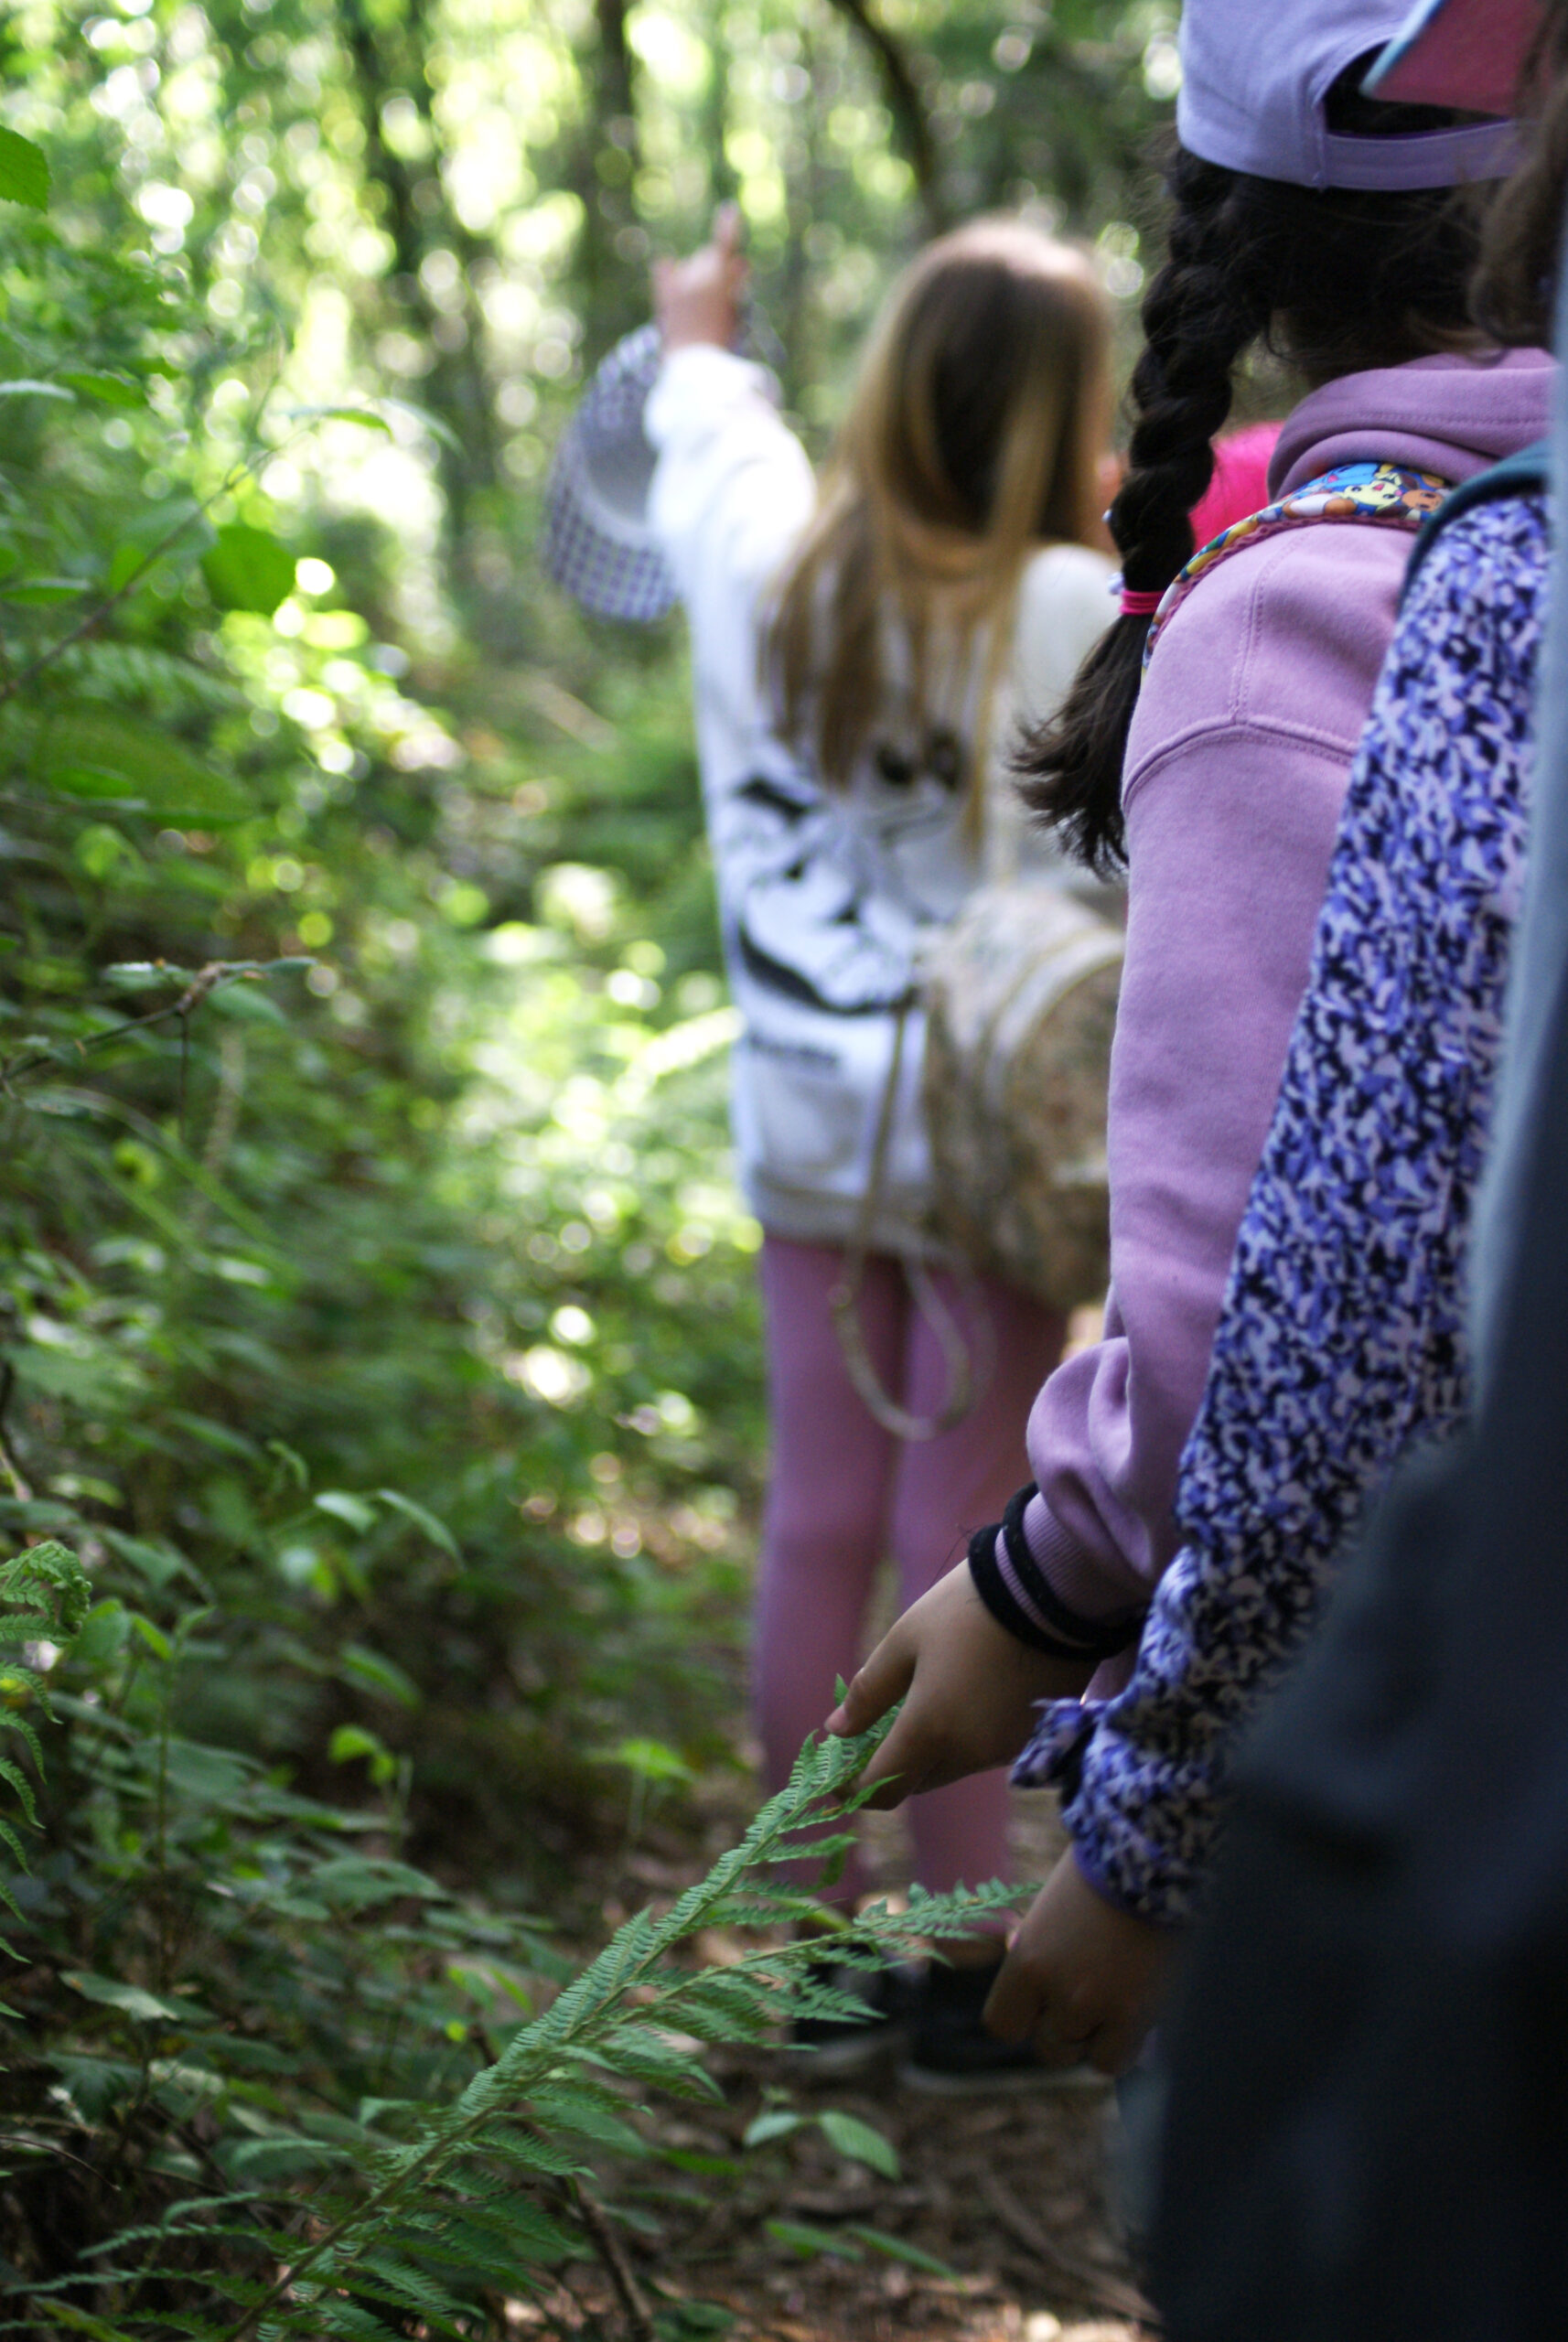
(1140, 606)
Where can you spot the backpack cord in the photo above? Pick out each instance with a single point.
(968, 1374)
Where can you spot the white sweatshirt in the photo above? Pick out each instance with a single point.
(824, 894)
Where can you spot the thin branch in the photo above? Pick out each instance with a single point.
(619, 2269)
(184, 1124)
(20, 1488)
(1105, 2293)
(907, 105)
(207, 980)
(224, 1123)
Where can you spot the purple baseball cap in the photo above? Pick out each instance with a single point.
(1458, 53)
(1255, 74)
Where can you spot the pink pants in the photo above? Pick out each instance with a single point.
(843, 1492)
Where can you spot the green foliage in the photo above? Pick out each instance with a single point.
(44, 1592)
(850, 2137)
(282, 2054)
(248, 569)
(24, 172)
(379, 1410)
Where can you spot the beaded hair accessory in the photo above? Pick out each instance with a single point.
(1386, 493)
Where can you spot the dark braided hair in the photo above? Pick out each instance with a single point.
(1334, 282)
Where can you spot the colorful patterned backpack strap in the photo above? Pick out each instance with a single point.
(1386, 493)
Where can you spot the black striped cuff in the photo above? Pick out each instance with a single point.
(1054, 1629)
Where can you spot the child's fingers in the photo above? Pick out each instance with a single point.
(1116, 2045)
(883, 1680)
(900, 1769)
(729, 228)
(1017, 2001)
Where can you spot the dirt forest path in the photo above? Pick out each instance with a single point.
(1010, 2192)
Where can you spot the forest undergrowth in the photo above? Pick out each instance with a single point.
(380, 1409)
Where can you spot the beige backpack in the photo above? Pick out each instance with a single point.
(1020, 1000)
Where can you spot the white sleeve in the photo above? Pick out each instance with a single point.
(1064, 607)
(733, 492)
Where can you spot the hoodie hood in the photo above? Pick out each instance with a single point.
(1450, 416)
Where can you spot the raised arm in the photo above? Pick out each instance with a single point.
(732, 488)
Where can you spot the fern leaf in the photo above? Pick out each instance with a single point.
(389, 2278)
(575, 2109)
(19, 1780)
(524, 2151)
(21, 1727)
(47, 1581)
(125, 670)
(323, 2313)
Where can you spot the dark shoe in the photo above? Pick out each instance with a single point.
(952, 2054)
(831, 2049)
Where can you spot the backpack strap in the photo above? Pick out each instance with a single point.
(1527, 472)
(1387, 494)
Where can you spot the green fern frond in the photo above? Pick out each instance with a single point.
(167, 685)
(12, 1722)
(18, 1780)
(462, 2194)
(43, 1584)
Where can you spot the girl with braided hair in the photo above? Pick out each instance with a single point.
(1206, 745)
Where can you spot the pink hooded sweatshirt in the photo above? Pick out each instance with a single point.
(1235, 767)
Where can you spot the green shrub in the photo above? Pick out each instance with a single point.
(246, 2016)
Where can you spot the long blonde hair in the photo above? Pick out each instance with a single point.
(971, 438)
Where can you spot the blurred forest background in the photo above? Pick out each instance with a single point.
(377, 1322)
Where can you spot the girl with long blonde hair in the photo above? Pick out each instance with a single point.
(864, 650)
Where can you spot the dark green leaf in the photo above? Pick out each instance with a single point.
(849, 2136)
(24, 171)
(131, 1999)
(43, 593)
(358, 1512)
(809, 2241)
(355, 1882)
(112, 390)
(374, 1672)
(85, 754)
(437, 1530)
(894, 2248)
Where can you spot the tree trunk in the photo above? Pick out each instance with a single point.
(615, 249)
(907, 106)
(420, 220)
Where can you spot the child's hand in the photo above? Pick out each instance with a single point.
(698, 299)
(969, 1690)
(1080, 1976)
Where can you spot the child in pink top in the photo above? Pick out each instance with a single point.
(1241, 482)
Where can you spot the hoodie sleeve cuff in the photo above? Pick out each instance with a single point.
(1081, 1581)
(1010, 1582)
(1142, 1825)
